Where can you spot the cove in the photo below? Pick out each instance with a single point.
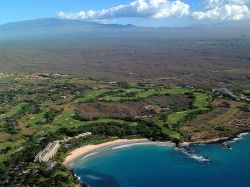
(161, 166)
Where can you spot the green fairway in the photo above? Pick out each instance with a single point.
(163, 91)
(178, 117)
(14, 110)
(14, 147)
(116, 98)
(65, 120)
(247, 92)
(172, 134)
(130, 94)
(91, 96)
(201, 100)
(35, 119)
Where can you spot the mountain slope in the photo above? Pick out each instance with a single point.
(52, 28)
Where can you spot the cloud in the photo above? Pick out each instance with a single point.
(224, 10)
(157, 9)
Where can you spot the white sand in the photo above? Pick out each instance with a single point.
(90, 148)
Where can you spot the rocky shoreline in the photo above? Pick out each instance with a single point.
(225, 141)
(215, 141)
(185, 148)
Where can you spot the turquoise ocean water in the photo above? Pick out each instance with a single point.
(162, 166)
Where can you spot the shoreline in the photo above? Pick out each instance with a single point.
(76, 153)
(224, 141)
(86, 149)
(215, 140)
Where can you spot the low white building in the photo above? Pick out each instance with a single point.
(48, 152)
(51, 149)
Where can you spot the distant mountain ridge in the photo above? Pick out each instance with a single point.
(53, 28)
(53, 22)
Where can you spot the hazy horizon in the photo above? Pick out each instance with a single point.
(150, 13)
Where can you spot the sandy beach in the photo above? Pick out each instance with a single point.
(90, 148)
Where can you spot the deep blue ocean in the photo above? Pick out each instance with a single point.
(162, 166)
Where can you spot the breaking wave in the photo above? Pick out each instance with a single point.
(86, 156)
(93, 177)
(193, 155)
(239, 137)
(134, 144)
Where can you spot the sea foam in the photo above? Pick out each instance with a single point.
(93, 177)
(133, 144)
(193, 155)
(86, 156)
(239, 137)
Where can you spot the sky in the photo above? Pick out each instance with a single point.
(137, 12)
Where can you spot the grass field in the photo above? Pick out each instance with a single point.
(173, 134)
(247, 92)
(151, 92)
(138, 94)
(14, 110)
(201, 100)
(65, 120)
(14, 147)
(35, 119)
(91, 96)
(178, 117)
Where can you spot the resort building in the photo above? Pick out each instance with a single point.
(48, 152)
(230, 94)
(226, 92)
(83, 135)
(51, 149)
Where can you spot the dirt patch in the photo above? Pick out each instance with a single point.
(226, 120)
(206, 118)
(150, 107)
(174, 102)
(114, 110)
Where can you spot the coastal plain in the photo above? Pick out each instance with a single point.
(39, 108)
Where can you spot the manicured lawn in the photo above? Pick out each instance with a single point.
(201, 100)
(146, 94)
(178, 117)
(171, 91)
(91, 96)
(15, 146)
(174, 90)
(107, 120)
(38, 118)
(247, 92)
(116, 99)
(65, 120)
(166, 130)
(14, 110)
(123, 95)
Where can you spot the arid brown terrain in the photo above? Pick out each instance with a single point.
(213, 63)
